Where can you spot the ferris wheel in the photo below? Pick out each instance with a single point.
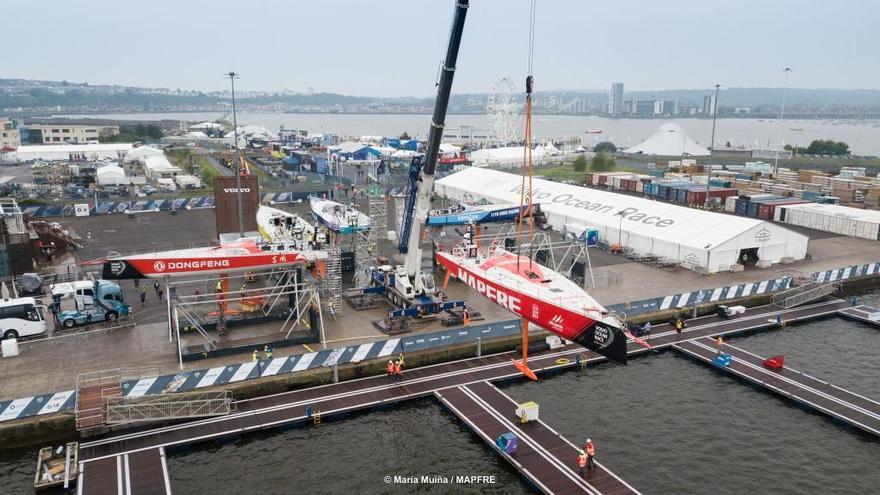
(502, 111)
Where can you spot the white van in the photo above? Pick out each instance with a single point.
(21, 317)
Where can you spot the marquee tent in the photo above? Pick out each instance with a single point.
(703, 241)
(669, 140)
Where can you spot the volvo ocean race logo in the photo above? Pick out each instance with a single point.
(603, 336)
(236, 189)
(159, 266)
(556, 323)
(762, 235)
(117, 267)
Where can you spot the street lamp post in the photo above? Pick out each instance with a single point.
(781, 116)
(237, 167)
(711, 149)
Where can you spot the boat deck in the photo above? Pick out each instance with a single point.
(819, 395)
(543, 456)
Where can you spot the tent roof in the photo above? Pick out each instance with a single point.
(592, 207)
(669, 140)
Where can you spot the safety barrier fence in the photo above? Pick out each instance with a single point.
(190, 380)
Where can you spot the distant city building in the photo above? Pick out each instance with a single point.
(615, 104)
(709, 105)
(68, 133)
(9, 135)
(644, 108)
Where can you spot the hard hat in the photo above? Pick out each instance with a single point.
(582, 452)
(589, 441)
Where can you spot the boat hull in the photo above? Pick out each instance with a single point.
(180, 267)
(601, 336)
(478, 216)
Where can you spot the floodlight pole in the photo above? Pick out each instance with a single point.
(711, 150)
(237, 168)
(781, 116)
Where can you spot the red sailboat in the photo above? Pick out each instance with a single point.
(239, 256)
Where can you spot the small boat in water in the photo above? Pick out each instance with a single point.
(239, 256)
(539, 295)
(462, 214)
(55, 466)
(593, 131)
(338, 217)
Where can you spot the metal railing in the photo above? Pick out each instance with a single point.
(803, 294)
(161, 407)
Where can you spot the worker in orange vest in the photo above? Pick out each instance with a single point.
(582, 462)
(591, 453)
(466, 316)
(398, 371)
(390, 369)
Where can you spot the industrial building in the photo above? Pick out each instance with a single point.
(703, 241)
(68, 133)
(10, 138)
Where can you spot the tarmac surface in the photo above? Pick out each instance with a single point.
(52, 364)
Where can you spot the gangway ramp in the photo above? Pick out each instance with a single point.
(803, 294)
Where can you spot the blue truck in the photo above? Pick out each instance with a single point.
(103, 301)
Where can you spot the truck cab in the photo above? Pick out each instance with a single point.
(103, 301)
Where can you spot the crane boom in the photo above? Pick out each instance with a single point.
(425, 184)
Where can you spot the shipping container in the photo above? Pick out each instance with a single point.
(767, 209)
(853, 222)
(730, 204)
(697, 195)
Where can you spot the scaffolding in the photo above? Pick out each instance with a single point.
(162, 407)
(331, 285)
(365, 242)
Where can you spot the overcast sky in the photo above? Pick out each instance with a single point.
(393, 47)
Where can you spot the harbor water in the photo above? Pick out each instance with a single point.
(664, 423)
(749, 133)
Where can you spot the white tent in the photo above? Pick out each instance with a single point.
(205, 126)
(141, 153)
(697, 239)
(159, 166)
(669, 140)
(249, 132)
(188, 181)
(72, 152)
(509, 156)
(196, 135)
(110, 175)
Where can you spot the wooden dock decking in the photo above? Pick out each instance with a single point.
(300, 406)
(138, 473)
(863, 313)
(544, 457)
(854, 409)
